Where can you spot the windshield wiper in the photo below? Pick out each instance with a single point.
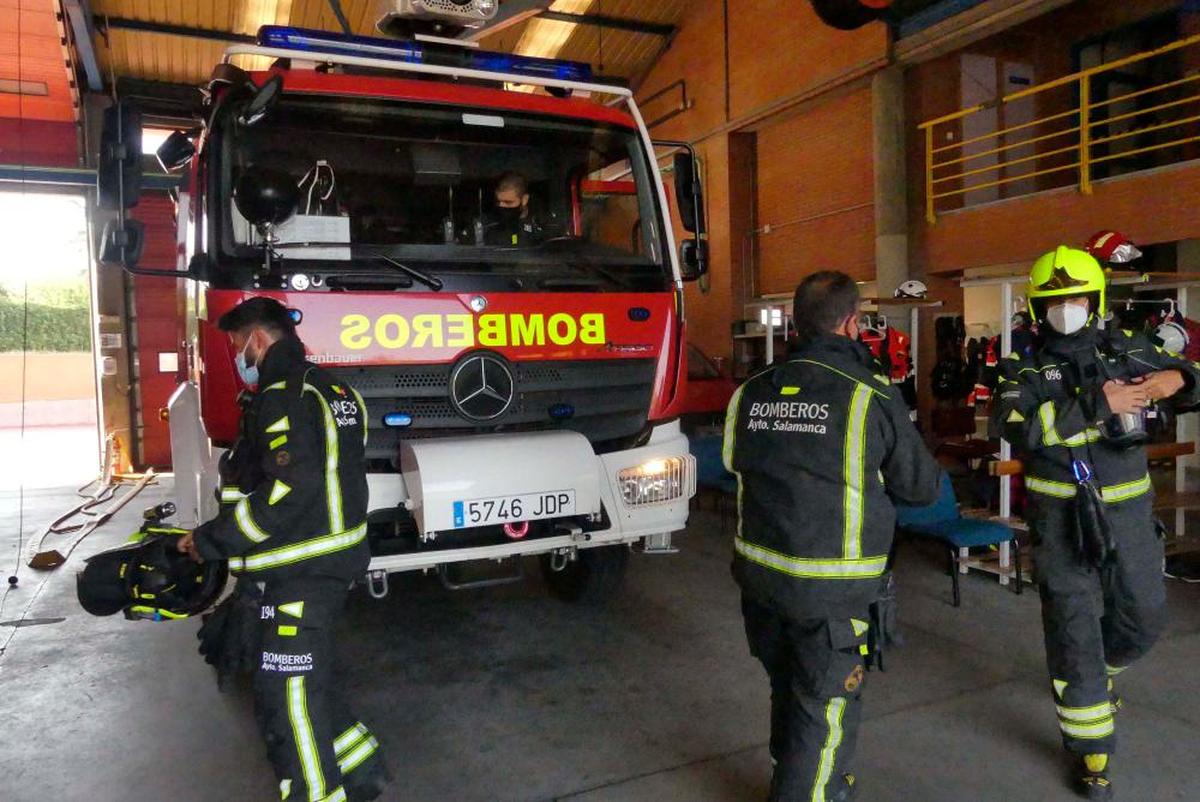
(432, 282)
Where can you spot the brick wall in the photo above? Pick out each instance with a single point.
(782, 62)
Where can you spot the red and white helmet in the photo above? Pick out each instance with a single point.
(912, 289)
(1112, 247)
(1171, 336)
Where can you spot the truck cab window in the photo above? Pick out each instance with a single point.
(527, 194)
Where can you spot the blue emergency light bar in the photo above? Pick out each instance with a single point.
(306, 40)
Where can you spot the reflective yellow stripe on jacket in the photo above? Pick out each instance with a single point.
(1111, 493)
(854, 472)
(304, 550)
(1050, 435)
(333, 487)
(811, 568)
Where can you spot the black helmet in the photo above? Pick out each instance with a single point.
(149, 578)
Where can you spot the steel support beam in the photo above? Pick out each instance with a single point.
(511, 12)
(144, 26)
(79, 18)
(954, 24)
(75, 177)
(159, 99)
(336, 7)
(605, 21)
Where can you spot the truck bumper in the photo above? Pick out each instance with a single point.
(626, 483)
(644, 491)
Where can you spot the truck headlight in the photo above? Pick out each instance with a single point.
(658, 481)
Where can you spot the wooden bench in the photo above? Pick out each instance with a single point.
(1014, 467)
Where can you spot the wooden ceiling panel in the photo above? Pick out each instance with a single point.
(181, 59)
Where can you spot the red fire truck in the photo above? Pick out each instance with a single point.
(522, 369)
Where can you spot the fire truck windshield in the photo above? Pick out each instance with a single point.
(447, 190)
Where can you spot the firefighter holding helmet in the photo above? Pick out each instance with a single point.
(1077, 409)
(293, 529)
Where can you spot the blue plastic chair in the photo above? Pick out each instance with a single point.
(942, 521)
(710, 470)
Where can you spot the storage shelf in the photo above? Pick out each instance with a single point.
(1177, 501)
(918, 303)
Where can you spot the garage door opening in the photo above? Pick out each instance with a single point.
(48, 419)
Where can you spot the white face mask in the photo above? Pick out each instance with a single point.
(248, 373)
(1067, 318)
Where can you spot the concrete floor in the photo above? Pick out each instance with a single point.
(505, 694)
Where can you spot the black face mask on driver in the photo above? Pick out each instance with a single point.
(509, 216)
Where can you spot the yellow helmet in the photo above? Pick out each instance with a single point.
(1066, 272)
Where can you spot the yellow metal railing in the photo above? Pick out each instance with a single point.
(1061, 141)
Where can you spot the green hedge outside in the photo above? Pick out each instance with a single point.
(51, 328)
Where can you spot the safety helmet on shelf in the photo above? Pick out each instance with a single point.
(1112, 247)
(1062, 273)
(1171, 336)
(149, 578)
(912, 289)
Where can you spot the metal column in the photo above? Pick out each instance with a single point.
(1006, 300)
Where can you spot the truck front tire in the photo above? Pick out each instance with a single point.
(592, 579)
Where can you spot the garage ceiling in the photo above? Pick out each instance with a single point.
(610, 51)
(175, 58)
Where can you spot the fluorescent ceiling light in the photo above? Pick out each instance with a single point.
(256, 13)
(545, 38)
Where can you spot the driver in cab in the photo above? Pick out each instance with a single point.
(513, 224)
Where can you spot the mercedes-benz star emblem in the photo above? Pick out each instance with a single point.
(482, 387)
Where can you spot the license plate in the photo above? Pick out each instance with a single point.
(513, 509)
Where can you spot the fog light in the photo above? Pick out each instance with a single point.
(658, 481)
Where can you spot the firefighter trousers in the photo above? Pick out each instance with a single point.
(817, 669)
(1097, 621)
(318, 749)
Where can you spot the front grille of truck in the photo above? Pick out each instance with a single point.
(610, 399)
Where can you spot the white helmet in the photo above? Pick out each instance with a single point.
(912, 289)
(1171, 336)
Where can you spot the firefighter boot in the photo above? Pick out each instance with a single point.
(1092, 777)
(847, 793)
(1114, 698)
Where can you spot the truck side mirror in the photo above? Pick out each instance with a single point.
(688, 194)
(119, 169)
(264, 100)
(175, 152)
(122, 243)
(693, 258)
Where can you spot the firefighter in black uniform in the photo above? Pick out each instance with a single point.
(293, 527)
(514, 223)
(1075, 410)
(821, 446)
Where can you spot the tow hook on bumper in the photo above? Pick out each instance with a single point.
(561, 558)
(377, 584)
